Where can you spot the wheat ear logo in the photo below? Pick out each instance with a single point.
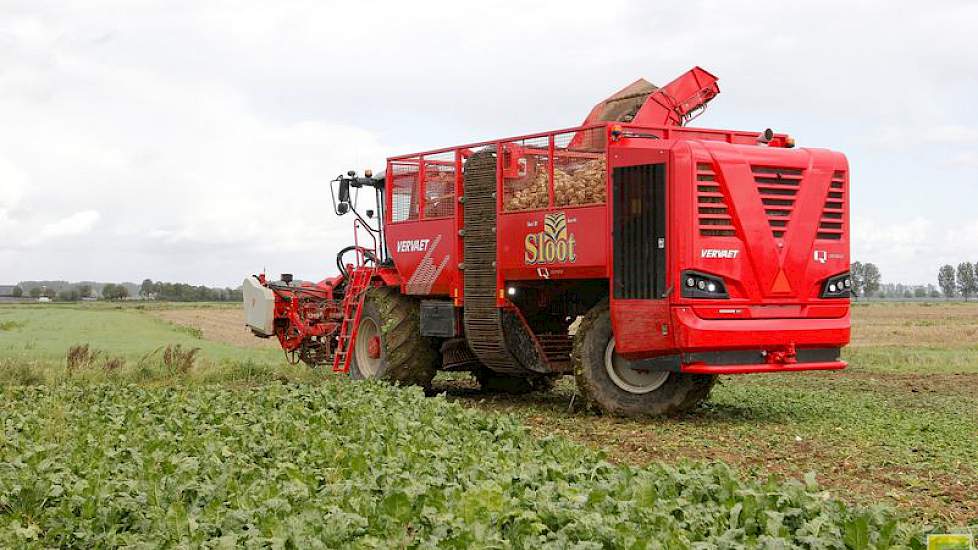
(555, 244)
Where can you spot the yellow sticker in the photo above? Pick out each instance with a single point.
(950, 542)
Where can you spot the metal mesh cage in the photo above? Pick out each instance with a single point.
(580, 168)
(439, 186)
(526, 174)
(404, 191)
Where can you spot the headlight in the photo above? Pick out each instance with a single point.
(701, 285)
(837, 286)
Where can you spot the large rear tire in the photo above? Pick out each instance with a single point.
(389, 344)
(608, 384)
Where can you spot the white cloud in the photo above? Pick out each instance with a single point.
(202, 135)
(951, 134)
(902, 137)
(898, 242)
(964, 159)
(912, 251)
(78, 223)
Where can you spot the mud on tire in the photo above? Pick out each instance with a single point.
(406, 357)
(677, 394)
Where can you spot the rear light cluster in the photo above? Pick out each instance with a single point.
(839, 286)
(701, 285)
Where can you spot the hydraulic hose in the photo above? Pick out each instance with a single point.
(368, 255)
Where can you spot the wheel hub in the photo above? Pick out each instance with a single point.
(373, 348)
(368, 338)
(628, 378)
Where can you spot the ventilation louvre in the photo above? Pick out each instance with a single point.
(713, 212)
(778, 188)
(830, 223)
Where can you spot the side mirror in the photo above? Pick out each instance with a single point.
(343, 200)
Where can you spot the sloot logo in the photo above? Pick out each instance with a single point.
(555, 244)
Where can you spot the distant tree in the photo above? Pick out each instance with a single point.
(85, 291)
(886, 290)
(945, 280)
(113, 291)
(147, 288)
(967, 285)
(69, 295)
(866, 279)
(35, 292)
(856, 272)
(919, 292)
(17, 292)
(48, 292)
(871, 278)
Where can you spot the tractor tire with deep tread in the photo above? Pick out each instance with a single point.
(679, 392)
(494, 382)
(406, 357)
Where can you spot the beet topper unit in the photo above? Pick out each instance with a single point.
(643, 256)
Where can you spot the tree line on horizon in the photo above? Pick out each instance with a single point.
(962, 280)
(182, 292)
(63, 291)
(951, 282)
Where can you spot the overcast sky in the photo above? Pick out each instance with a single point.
(193, 140)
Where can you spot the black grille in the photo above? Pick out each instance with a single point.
(777, 188)
(830, 224)
(639, 231)
(712, 210)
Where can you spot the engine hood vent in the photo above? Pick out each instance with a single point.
(778, 188)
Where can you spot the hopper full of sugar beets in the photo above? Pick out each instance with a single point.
(644, 256)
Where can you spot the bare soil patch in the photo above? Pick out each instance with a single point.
(953, 325)
(216, 324)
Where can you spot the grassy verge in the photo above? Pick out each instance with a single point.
(40, 335)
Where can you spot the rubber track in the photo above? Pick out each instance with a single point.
(483, 328)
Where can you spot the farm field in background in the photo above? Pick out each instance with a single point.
(898, 427)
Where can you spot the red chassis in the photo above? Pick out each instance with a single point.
(769, 221)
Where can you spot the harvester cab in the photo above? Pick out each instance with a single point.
(641, 255)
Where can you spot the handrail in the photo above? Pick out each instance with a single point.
(357, 225)
(667, 132)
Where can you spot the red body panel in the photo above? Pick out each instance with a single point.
(523, 254)
(426, 256)
(773, 258)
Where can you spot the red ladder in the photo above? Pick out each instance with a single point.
(352, 309)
